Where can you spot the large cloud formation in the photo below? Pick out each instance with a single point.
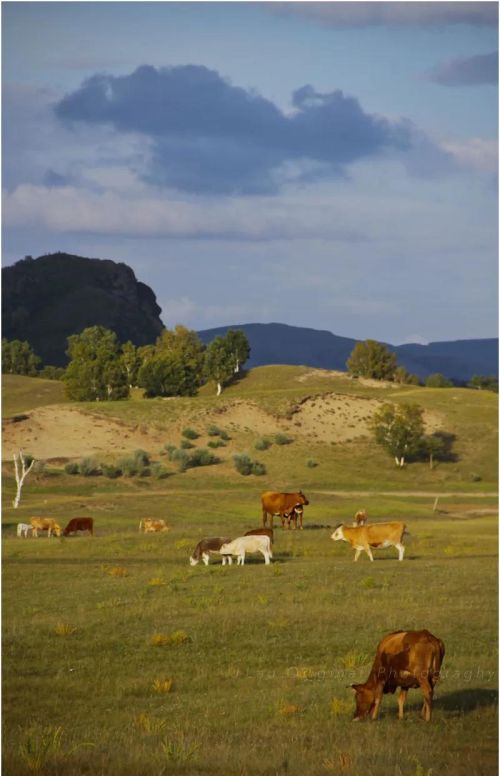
(209, 136)
(467, 71)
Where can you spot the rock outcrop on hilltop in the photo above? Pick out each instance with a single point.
(47, 299)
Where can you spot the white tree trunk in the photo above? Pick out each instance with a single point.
(21, 473)
(399, 461)
(219, 389)
(237, 367)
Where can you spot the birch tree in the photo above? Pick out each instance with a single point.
(22, 467)
(399, 429)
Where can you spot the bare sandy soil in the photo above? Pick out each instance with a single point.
(60, 431)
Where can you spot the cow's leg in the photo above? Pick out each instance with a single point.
(266, 557)
(357, 554)
(264, 518)
(241, 559)
(301, 519)
(428, 692)
(401, 550)
(205, 558)
(377, 702)
(49, 533)
(403, 692)
(369, 552)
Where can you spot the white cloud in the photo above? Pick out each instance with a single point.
(476, 154)
(67, 209)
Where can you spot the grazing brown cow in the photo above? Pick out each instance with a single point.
(206, 546)
(79, 524)
(360, 518)
(153, 526)
(404, 659)
(261, 532)
(45, 524)
(281, 504)
(376, 535)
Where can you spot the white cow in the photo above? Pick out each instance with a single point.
(244, 544)
(23, 529)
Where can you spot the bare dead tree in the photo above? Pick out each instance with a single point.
(22, 469)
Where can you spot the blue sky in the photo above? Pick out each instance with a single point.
(331, 165)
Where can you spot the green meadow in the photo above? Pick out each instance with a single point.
(120, 659)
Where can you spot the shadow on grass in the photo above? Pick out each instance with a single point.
(464, 701)
(458, 701)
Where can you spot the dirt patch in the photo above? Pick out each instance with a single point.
(65, 432)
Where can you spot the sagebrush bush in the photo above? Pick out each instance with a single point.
(243, 463)
(263, 444)
(89, 467)
(190, 433)
(311, 463)
(201, 457)
(111, 471)
(159, 471)
(142, 457)
(72, 468)
(186, 444)
(282, 439)
(128, 466)
(214, 443)
(213, 431)
(258, 469)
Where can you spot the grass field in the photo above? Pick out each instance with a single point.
(119, 659)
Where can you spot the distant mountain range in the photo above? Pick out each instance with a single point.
(278, 343)
(47, 299)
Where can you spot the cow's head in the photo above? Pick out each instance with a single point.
(193, 561)
(365, 700)
(57, 530)
(338, 533)
(302, 498)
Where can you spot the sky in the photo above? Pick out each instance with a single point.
(331, 165)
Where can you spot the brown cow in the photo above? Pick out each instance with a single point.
(45, 524)
(261, 532)
(404, 659)
(79, 524)
(281, 504)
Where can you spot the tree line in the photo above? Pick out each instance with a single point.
(178, 364)
(101, 368)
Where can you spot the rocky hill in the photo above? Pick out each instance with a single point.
(45, 300)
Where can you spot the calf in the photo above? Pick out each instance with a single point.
(360, 518)
(404, 659)
(153, 526)
(45, 524)
(206, 546)
(261, 532)
(376, 535)
(244, 544)
(79, 524)
(23, 530)
(287, 517)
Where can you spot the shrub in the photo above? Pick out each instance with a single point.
(89, 467)
(141, 457)
(214, 443)
(186, 444)
(111, 471)
(72, 468)
(181, 458)
(311, 463)
(243, 464)
(159, 471)
(144, 471)
(263, 444)
(128, 466)
(213, 431)
(282, 439)
(201, 457)
(169, 449)
(225, 436)
(190, 433)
